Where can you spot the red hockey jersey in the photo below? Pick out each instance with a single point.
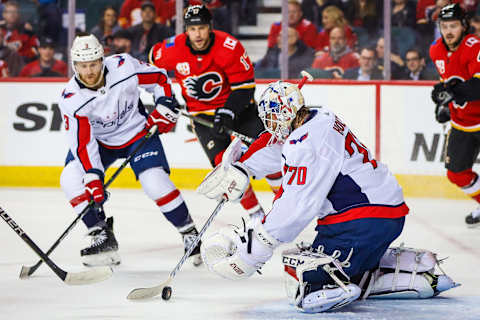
(462, 64)
(206, 79)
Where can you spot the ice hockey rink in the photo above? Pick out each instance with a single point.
(150, 248)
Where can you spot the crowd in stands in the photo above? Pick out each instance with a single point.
(332, 39)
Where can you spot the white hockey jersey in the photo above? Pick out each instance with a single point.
(327, 173)
(111, 115)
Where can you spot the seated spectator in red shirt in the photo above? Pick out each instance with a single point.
(147, 33)
(46, 65)
(339, 57)
(306, 30)
(107, 25)
(16, 36)
(300, 56)
(13, 61)
(130, 12)
(333, 17)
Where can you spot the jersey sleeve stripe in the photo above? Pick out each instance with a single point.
(258, 144)
(83, 137)
(155, 78)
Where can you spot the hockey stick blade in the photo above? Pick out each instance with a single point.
(71, 278)
(93, 275)
(147, 293)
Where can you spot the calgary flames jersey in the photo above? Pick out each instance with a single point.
(462, 64)
(207, 79)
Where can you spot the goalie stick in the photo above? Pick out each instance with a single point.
(144, 293)
(25, 272)
(73, 278)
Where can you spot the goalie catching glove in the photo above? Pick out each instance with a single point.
(230, 178)
(165, 114)
(237, 254)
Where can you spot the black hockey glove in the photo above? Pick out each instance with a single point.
(442, 113)
(224, 120)
(442, 94)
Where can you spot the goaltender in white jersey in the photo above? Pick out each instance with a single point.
(330, 175)
(104, 121)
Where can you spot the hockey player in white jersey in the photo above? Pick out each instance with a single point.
(105, 120)
(328, 174)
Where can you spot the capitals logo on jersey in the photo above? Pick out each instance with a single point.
(204, 87)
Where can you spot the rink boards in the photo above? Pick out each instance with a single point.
(394, 119)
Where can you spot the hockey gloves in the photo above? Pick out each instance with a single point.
(442, 113)
(224, 120)
(93, 182)
(442, 94)
(164, 116)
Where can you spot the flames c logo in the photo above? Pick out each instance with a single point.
(204, 87)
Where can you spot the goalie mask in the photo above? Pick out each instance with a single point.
(86, 49)
(278, 107)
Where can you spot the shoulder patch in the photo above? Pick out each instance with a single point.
(301, 139)
(170, 42)
(66, 94)
(230, 43)
(470, 42)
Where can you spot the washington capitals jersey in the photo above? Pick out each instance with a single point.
(112, 115)
(206, 79)
(327, 173)
(462, 64)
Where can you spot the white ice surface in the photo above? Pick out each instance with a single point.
(150, 247)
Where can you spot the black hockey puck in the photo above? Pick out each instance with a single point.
(166, 293)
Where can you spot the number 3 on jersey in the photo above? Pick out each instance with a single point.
(351, 140)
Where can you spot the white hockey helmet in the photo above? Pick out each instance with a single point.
(84, 49)
(278, 107)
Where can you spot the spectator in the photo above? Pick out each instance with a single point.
(365, 14)
(313, 9)
(13, 61)
(403, 13)
(46, 65)
(397, 62)
(49, 20)
(306, 30)
(475, 23)
(130, 12)
(368, 69)
(121, 42)
(416, 69)
(300, 56)
(333, 17)
(147, 33)
(339, 58)
(15, 35)
(107, 25)
(3, 69)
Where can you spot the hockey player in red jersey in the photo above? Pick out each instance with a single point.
(217, 80)
(105, 120)
(456, 56)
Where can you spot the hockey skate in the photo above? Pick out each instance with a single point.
(104, 247)
(188, 238)
(473, 219)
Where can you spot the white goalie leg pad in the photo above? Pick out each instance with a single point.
(412, 275)
(301, 259)
(225, 253)
(231, 181)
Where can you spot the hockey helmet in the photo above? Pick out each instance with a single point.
(197, 15)
(86, 48)
(278, 107)
(453, 12)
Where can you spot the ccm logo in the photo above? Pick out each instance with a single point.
(236, 268)
(292, 261)
(145, 155)
(11, 223)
